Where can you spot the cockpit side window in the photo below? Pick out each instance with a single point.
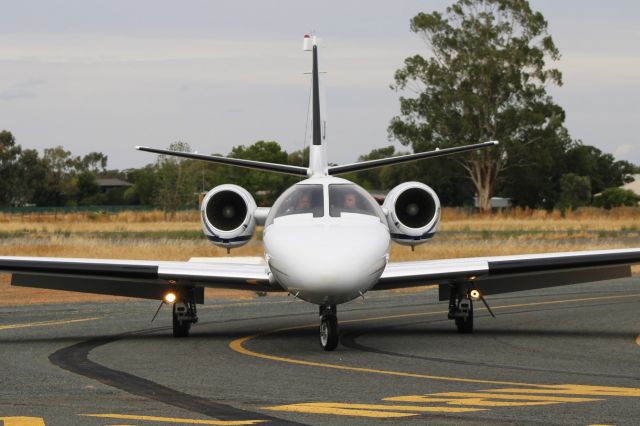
(300, 199)
(350, 198)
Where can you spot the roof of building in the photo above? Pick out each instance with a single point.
(111, 182)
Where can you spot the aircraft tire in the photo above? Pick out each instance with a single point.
(329, 332)
(465, 325)
(180, 330)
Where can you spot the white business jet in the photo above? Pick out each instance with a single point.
(326, 241)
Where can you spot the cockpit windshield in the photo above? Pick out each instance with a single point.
(350, 198)
(300, 199)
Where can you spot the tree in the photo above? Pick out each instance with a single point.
(616, 197)
(145, 186)
(94, 162)
(603, 169)
(533, 176)
(87, 189)
(575, 191)
(299, 158)
(265, 186)
(485, 79)
(177, 182)
(371, 179)
(9, 155)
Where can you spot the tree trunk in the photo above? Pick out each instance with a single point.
(484, 174)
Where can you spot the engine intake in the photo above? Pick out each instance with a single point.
(413, 213)
(227, 215)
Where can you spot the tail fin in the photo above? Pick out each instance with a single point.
(317, 155)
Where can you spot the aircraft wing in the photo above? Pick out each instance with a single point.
(504, 274)
(138, 278)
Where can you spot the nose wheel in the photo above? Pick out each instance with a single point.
(328, 327)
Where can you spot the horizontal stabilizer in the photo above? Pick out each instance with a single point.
(364, 165)
(249, 164)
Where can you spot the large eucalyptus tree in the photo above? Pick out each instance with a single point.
(484, 78)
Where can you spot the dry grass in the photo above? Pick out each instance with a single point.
(104, 222)
(159, 249)
(463, 235)
(444, 249)
(126, 216)
(591, 219)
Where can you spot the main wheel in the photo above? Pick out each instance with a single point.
(329, 332)
(465, 325)
(180, 330)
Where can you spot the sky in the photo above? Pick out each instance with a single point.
(108, 75)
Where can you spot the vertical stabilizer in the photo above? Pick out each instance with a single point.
(317, 154)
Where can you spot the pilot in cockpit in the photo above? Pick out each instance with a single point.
(349, 202)
(304, 202)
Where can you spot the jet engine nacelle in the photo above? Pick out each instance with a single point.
(228, 216)
(413, 213)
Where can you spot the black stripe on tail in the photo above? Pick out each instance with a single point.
(317, 132)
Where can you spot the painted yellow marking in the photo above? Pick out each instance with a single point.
(22, 421)
(488, 399)
(238, 344)
(45, 323)
(176, 420)
(576, 390)
(473, 401)
(366, 410)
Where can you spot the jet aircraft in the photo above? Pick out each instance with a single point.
(326, 241)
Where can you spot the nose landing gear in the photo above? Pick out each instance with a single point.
(328, 327)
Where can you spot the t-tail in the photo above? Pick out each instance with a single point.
(318, 165)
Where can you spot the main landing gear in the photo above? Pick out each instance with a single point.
(183, 306)
(184, 314)
(328, 327)
(461, 306)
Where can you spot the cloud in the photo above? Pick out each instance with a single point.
(20, 90)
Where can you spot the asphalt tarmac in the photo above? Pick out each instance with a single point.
(569, 355)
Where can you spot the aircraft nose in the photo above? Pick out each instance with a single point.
(327, 258)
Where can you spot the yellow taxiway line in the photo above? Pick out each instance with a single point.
(45, 323)
(367, 410)
(176, 420)
(22, 421)
(238, 345)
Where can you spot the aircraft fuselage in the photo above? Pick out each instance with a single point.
(326, 240)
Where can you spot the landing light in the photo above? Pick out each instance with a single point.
(475, 294)
(170, 297)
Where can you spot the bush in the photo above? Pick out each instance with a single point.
(616, 197)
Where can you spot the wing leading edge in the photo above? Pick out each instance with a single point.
(137, 278)
(504, 274)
